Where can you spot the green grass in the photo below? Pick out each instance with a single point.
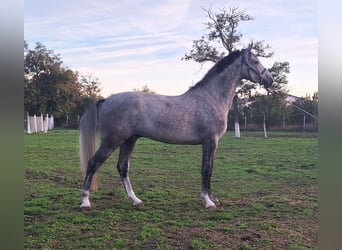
(268, 189)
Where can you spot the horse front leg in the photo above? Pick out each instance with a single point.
(123, 166)
(209, 151)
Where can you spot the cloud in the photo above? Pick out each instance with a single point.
(163, 15)
(115, 40)
(102, 31)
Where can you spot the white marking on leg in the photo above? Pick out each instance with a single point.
(208, 202)
(130, 192)
(85, 199)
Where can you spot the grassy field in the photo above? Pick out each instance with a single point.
(268, 189)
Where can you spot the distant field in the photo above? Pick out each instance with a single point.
(268, 189)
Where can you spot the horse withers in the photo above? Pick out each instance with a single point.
(199, 116)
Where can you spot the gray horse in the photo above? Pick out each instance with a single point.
(199, 116)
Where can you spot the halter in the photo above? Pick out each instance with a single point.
(249, 68)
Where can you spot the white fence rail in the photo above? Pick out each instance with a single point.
(40, 123)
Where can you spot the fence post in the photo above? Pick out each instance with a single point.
(28, 123)
(38, 123)
(236, 117)
(46, 122)
(35, 123)
(264, 125)
(41, 123)
(237, 130)
(245, 125)
(52, 121)
(304, 123)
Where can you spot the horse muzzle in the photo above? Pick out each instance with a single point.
(267, 80)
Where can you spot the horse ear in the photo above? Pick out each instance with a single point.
(247, 51)
(250, 46)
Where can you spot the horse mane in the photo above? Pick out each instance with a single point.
(221, 65)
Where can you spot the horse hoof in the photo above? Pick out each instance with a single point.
(85, 209)
(139, 205)
(211, 207)
(217, 203)
(215, 200)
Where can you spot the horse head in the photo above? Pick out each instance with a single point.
(253, 70)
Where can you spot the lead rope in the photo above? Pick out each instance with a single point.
(299, 108)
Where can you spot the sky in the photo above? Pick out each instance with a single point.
(129, 44)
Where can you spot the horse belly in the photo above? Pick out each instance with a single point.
(173, 131)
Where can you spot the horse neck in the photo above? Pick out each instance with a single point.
(221, 87)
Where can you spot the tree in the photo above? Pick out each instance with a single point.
(44, 78)
(267, 106)
(279, 71)
(40, 61)
(90, 86)
(307, 107)
(222, 38)
(223, 30)
(89, 92)
(145, 89)
(51, 88)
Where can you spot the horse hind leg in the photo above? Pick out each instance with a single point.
(123, 166)
(94, 164)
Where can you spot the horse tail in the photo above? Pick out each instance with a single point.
(87, 139)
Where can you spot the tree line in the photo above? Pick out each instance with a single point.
(52, 88)
(277, 112)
